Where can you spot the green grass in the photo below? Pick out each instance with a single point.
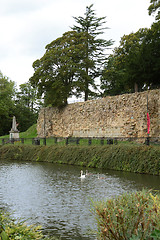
(30, 133)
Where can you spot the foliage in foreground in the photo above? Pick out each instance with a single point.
(134, 216)
(10, 229)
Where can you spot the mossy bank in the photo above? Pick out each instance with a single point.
(138, 159)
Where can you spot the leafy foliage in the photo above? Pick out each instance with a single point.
(7, 88)
(23, 104)
(9, 229)
(154, 6)
(72, 62)
(94, 53)
(56, 72)
(130, 216)
(134, 65)
(27, 96)
(12, 229)
(138, 159)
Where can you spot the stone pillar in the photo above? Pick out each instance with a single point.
(14, 133)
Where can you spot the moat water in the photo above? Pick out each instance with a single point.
(55, 197)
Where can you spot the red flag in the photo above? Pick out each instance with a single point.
(148, 123)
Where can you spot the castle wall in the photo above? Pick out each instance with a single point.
(112, 116)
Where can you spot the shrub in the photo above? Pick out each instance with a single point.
(131, 216)
(11, 229)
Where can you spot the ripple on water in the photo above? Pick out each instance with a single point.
(55, 197)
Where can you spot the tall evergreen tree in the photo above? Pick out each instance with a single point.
(95, 47)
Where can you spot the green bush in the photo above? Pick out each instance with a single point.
(134, 216)
(10, 229)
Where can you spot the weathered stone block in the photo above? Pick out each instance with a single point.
(112, 116)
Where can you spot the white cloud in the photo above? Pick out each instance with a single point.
(12, 7)
(27, 26)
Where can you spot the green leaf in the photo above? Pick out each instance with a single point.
(134, 237)
(4, 236)
(155, 234)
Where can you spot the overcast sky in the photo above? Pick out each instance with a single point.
(27, 26)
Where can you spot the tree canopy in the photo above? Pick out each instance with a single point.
(72, 62)
(6, 103)
(95, 55)
(17, 103)
(135, 64)
(154, 7)
(56, 73)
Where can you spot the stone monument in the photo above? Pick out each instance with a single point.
(14, 133)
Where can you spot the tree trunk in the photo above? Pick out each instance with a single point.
(86, 90)
(135, 87)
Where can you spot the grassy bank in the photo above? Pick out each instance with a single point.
(138, 159)
(30, 133)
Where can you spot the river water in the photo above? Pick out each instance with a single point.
(55, 197)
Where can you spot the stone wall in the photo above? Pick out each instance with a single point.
(112, 116)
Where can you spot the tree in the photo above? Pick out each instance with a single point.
(56, 72)
(27, 95)
(150, 56)
(19, 104)
(135, 63)
(95, 56)
(26, 106)
(7, 88)
(24, 116)
(112, 79)
(125, 65)
(154, 6)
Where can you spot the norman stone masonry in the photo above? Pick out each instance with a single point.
(112, 116)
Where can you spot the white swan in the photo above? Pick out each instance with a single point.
(82, 175)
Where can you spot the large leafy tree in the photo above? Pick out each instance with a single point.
(150, 56)
(135, 63)
(94, 52)
(112, 79)
(123, 72)
(154, 7)
(56, 72)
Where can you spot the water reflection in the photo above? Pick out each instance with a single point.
(55, 197)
